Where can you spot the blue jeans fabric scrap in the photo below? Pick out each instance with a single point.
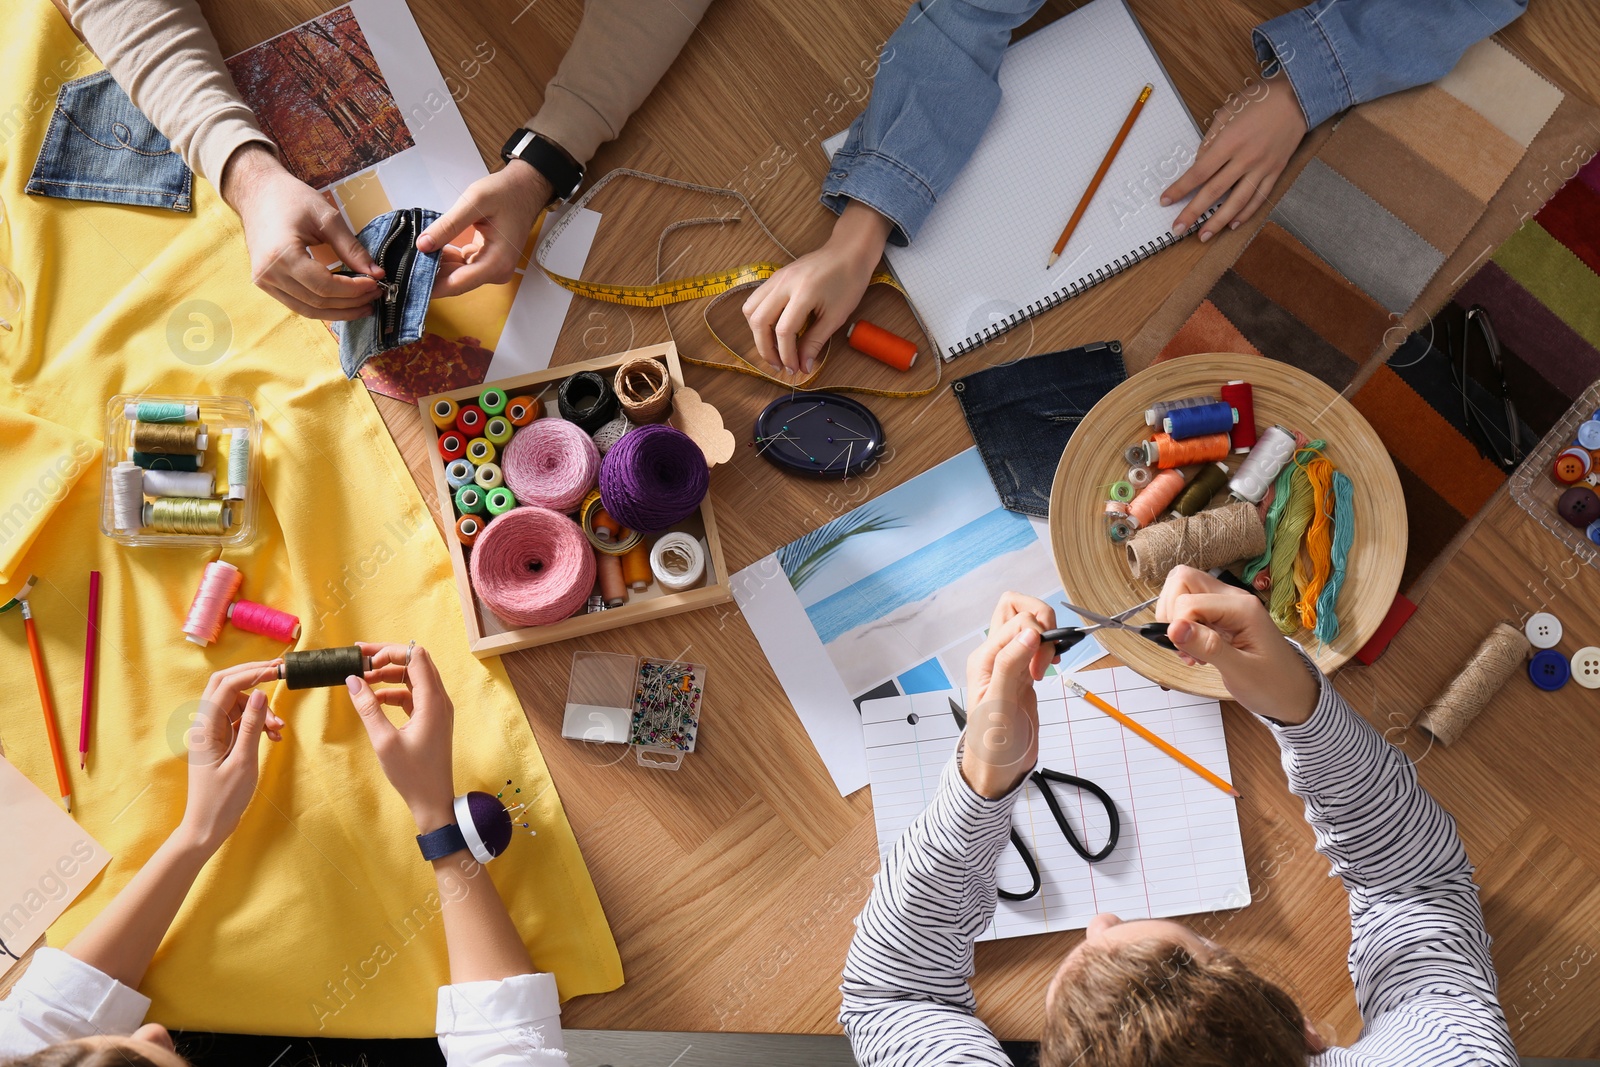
(406, 288)
(100, 147)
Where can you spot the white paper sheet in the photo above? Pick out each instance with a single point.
(529, 338)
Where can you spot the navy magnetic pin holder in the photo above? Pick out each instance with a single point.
(819, 435)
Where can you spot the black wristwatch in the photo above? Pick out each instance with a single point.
(548, 158)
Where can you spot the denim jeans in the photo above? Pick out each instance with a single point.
(100, 147)
(408, 276)
(1022, 415)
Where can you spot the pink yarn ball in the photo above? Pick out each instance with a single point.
(532, 566)
(550, 463)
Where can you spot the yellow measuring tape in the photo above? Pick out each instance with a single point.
(718, 285)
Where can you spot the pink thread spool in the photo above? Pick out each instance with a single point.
(267, 621)
(533, 566)
(219, 584)
(550, 463)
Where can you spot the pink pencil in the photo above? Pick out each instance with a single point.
(89, 644)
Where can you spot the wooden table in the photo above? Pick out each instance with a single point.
(731, 885)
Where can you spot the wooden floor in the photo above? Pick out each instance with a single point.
(732, 884)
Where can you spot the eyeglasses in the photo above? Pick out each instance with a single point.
(11, 292)
(1498, 439)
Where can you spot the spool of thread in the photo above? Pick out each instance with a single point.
(488, 476)
(1120, 529)
(459, 472)
(1212, 538)
(469, 420)
(1154, 415)
(492, 401)
(1497, 658)
(551, 463)
(1269, 456)
(654, 477)
(1134, 455)
(521, 410)
(127, 496)
(605, 533)
(480, 450)
(1207, 482)
(885, 347)
(499, 500)
(1242, 397)
(197, 484)
(1139, 477)
(468, 527)
(160, 411)
(586, 399)
(636, 567)
(612, 585)
(1121, 492)
(677, 561)
(168, 437)
(644, 389)
(238, 464)
(187, 516)
(452, 446)
(1164, 452)
(532, 566)
(443, 413)
(470, 500)
(1155, 498)
(611, 433)
(159, 461)
(498, 430)
(1185, 423)
(267, 621)
(323, 668)
(1116, 508)
(219, 584)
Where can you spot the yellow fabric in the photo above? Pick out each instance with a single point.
(318, 916)
(42, 463)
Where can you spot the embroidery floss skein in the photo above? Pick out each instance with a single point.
(1212, 538)
(677, 561)
(550, 463)
(1344, 534)
(178, 483)
(267, 621)
(1286, 540)
(1498, 657)
(127, 495)
(1155, 498)
(654, 477)
(532, 566)
(219, 584)
(1315, 563)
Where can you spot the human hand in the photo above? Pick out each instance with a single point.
(283, 217)
(223, 766)
(1215, 623)
(416, 757)
(817, 292)
(501, 209)
(1002, 736)
(1245, 150)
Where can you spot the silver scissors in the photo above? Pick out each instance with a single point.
(1068, 636)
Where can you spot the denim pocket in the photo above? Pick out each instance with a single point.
(1023, 414)
(406, 288)
(100, 147)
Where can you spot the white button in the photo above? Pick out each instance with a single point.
(1543, 630)
(1586, 667)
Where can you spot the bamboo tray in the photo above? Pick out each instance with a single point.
(1094, 571)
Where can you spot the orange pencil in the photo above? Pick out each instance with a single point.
(1080, 691)
(21, 601)
(1099, 176)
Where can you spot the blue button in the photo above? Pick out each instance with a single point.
(1549, 669)
(1589, 434)
(1594, 531)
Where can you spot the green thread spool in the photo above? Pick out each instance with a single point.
(469, 500)
(498, 430)
(155, 411)
(155, 461)
(323, 668)
(1201, 490)
(492, 401)
(186, 515)
(1122, 492)
(500, 500)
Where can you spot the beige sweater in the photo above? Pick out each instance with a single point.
(166, 59)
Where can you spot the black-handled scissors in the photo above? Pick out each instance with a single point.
(1068, 636)
(1042, 777)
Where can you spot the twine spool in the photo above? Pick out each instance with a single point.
(1202, 488)
(551, 463)
(323, 668)
(1243, 398)
(1154, 415)
(1496, 660)
(238, 464)
(169, 437)
(532, 566)
(1164, 452)
(677, 561)
(636, 567)
(1212, 538)
(586, 399)
(158, 411)
(644, 389)
(219, 584)
(654, 477)
(1266, 460)
(127, 496)
(873, 340)
(158, 461)
(261, 619)
(197, 484)
(611, 433)
(186, 516)
(1200, 421)
(1155, 498)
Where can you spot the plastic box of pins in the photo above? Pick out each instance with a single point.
(180, 470)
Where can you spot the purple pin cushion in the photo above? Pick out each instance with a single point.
(485, 823)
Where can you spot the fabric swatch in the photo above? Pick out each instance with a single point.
(1207, 330)
(1503, 89)
(1572, 217)
(1357, 236)
(1521, 323)
(1555, 277)
(1290, 275)
(1589, 174)
(1431, 523)
(1412, 189)
(1277, 334)
(1434, 371)
(1450, 135)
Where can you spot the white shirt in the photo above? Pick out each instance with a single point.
(516, 1020)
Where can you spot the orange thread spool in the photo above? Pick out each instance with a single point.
(1208, 449)
(612, 587)
(468, 527)
(881, 345)
(605, 527)
(521, 410)
(636, 567)
(1158, 496)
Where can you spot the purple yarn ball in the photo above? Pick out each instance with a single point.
(492, 821)
(653, 477)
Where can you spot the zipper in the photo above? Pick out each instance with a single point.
(396, 255)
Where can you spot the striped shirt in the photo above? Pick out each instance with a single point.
(1419, 953)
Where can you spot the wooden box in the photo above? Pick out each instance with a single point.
(486, 634)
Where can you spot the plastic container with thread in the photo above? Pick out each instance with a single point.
(224, 417)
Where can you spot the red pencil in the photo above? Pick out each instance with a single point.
(89, 643)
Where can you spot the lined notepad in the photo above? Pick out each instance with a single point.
(1180, 851)
(977, 268)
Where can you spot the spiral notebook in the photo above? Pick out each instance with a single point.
(977, 268)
